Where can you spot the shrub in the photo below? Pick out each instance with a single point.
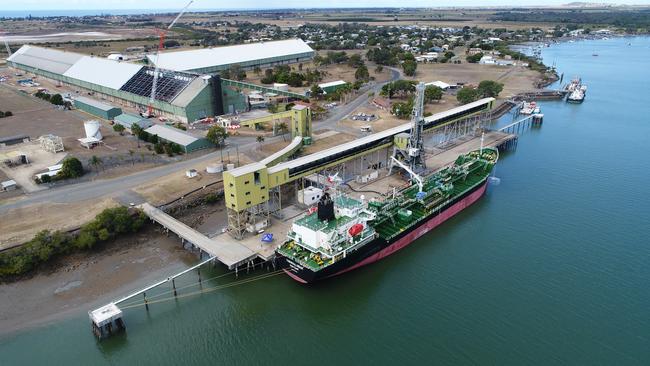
(72, 168)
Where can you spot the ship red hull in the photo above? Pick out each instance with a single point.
(381, 247)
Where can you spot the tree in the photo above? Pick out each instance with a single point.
(236, 72)
(409, 67)
(362, 73)
(8, 114)
(379, 69)
(94, 161)
(260, 139)
(71, 168)
(217, 135)
(490, 88)
(283, 129)
(432, 93)
(474, 58)
(131, 153)
(56, 99)
(355, 61)
(467, 95)
(257, 70)
(118, 128)
(315, 91)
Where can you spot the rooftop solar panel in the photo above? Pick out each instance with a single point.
(170, 83)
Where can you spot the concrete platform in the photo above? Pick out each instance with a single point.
(229, 252)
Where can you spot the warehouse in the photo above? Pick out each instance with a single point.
(180, 96)
(247, 56)
(96, 108)
(188, 142)
(332, 86)
(128, 120)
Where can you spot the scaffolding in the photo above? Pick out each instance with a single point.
(51, 143)
(252, 219)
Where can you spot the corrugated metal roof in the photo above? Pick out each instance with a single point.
(101, 71)
(189, 93)
(332, 83)
(95, 103)
(210, 57)
(45, 59)
(370, 138)
(127, 120)
(171, 134)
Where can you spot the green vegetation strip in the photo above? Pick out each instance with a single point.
(47, 245)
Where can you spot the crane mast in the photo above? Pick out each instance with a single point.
(416, 145)
(161, 42)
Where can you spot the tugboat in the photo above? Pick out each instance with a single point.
(342, 233)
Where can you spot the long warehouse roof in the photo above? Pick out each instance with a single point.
(101, 71)
(46, 59)
(172, 134)
(371, 138)
(228, 55)
(173, 87)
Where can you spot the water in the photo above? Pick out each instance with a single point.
(551, 267)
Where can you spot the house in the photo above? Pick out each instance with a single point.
(474, 51)
(440, 84)
(487, 60)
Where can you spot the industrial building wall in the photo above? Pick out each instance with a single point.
(201, 106)
(198, 145)
(165, 109)
(233, 100)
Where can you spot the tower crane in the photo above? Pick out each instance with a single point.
(162, 33)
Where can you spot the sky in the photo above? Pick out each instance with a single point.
(257, 4)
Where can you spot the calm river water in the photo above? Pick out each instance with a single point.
(551, 267)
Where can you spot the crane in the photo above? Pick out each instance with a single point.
(161, 34)
(7, 45)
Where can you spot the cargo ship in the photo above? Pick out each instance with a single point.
(342, 233)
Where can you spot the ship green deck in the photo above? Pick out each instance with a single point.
(439, 189)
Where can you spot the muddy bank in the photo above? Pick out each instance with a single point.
(74, 284)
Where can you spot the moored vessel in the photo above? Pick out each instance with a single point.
(343, 233)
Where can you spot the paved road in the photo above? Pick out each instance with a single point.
(119, 187)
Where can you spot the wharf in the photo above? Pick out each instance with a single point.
(229, 252)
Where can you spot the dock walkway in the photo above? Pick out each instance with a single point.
(229, 252)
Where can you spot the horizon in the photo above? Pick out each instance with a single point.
(251, 5)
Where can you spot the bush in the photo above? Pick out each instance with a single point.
(468, 95)
(45, 179)
(56, 99)
(46, 245)
(474, 58)
(158, 148)
(118, 128)
(72, 168)
(211, 198)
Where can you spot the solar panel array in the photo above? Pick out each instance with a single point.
(170, 83)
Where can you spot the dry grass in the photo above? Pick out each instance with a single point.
(21, 224)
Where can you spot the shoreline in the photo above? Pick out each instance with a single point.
(76, 283)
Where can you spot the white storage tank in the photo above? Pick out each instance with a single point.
(214, 168)
(92, 129)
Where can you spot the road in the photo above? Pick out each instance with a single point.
(119, 187)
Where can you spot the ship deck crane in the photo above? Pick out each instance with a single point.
(162, 33)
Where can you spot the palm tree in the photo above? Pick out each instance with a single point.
(283, 129)
(95, 161)
(260, 139)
